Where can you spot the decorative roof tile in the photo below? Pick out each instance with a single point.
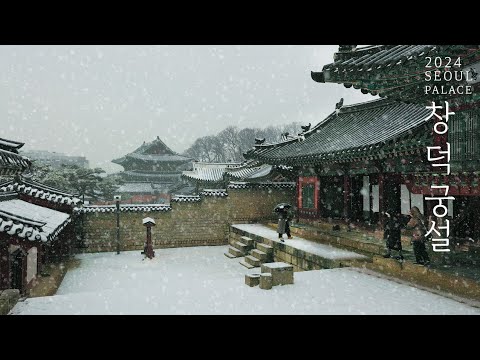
(123, 208)
(214, 192)
(28, 221)
(12, 163)
(186, 198)
(40, 191)
(264, 185)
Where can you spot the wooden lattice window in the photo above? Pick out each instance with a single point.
(464, 135)
(308, 193)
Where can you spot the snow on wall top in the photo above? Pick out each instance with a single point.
(261, 185)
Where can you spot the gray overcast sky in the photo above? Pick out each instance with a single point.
(104, 101)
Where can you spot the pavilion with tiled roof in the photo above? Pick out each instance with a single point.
(399, 73)
(357, 149)
(153, 172)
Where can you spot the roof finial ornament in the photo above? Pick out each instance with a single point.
(259, 141)
(338, 106)
(285, 135)
(347, 48)
(158, 137)
(305, 128)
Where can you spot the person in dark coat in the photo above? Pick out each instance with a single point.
(392, 233)
(283, 227)
(417, 224)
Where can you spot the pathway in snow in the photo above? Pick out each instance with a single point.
(202, 280)
(325, 251)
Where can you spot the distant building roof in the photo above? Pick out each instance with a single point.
(155, 151)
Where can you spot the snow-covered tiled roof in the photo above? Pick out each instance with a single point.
(215, 172)
(252, 172)
(186, 198)
(263, 185)
(12, 163)
(10, 145)
(214, 192)
(40, 191)
(28, 221)
(123, 208)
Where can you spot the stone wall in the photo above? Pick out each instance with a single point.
(205, 222)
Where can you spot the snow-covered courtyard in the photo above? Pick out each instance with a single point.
(202, 280)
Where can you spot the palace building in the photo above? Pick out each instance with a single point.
(152, 173)
(36, 223)
(366, 158)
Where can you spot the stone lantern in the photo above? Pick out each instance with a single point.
(149, 222)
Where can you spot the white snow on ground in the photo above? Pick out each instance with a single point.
(325, 251)
(202, 280)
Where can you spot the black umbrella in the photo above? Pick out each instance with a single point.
(282, 206)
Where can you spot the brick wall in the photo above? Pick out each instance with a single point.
(188, 223)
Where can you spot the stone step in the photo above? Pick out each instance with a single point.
(253, 261)
(247, 265)
(265, 248)
(252, 279)
(231, 256)
(246, 241)
(235, 252)
(260, 255)
(242, 247)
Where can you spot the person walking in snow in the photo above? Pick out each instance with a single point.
(392, 233)
(283, 227)
(417, 224)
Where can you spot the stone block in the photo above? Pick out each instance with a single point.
(282, 273)
(266, 281)
(252, 279)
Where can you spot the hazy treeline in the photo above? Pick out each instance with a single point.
(230, 143)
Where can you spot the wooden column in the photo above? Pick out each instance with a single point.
(381, 207)
(317, 198)
(4, 271)
(346, 196)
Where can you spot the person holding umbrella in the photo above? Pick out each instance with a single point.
(284, 218)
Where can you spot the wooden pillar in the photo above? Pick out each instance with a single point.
(317, 198)
(381, 207)
(346, 196)
(4, 270)
(299, 192)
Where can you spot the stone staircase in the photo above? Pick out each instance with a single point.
(240, 248)
(254, 253)
(262, 254)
